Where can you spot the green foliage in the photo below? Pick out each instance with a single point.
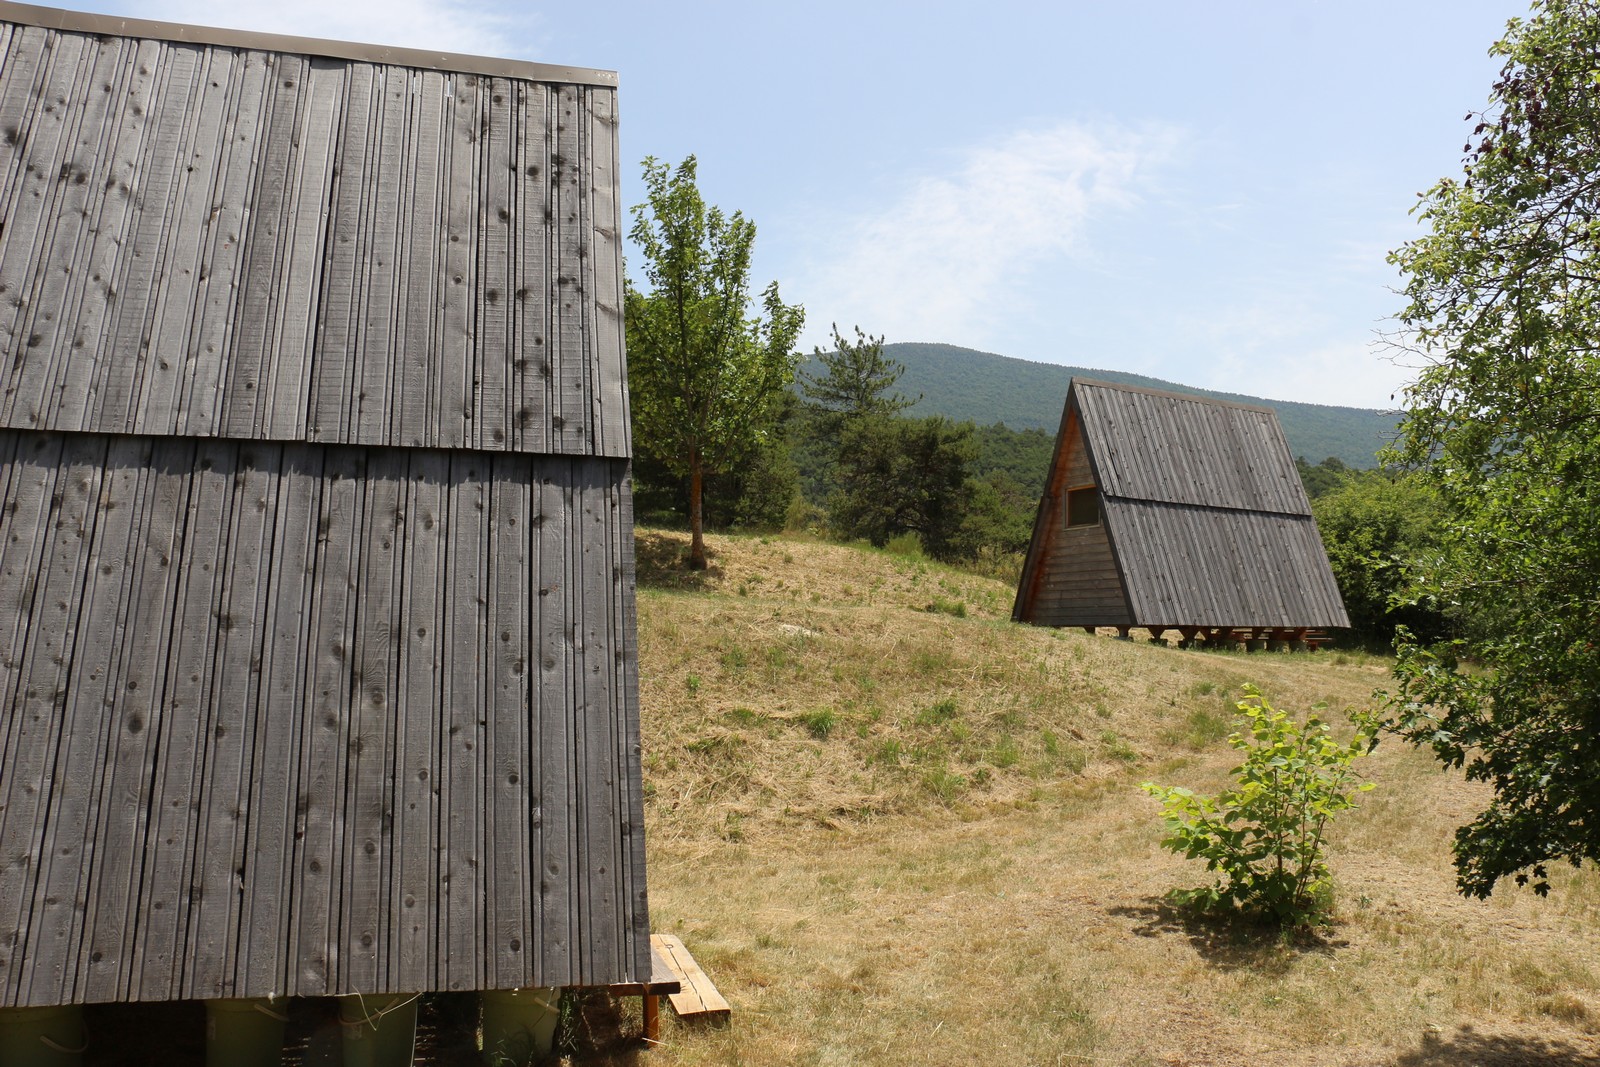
(1504, 423)
(1265, 835)
(896, 475)
(857, 379)
(1326, 476)
(705, 377)
(1372, 526)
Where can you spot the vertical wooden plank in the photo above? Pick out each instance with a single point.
(29, 473)
(342, 283)
(508, 760)
(531, 367)
(29, 232)
(461, 879)
(268, 228)
(384, 301)
(175, 824)
(636, 918)
(161, 88)
(454, 366)
(303, 238)
(599, 771)
(330, 636)
(570, 410)
(55, 331)
(66, 849)
(127, 783)
(423, 261)
(171, 224)
(368, 814)
(414, 897)
(246, 101)
(610, 388)
(27, 54)
(556, 819)
(237, 488)
(494, 294)
(159, 403)
(38, 708)
(265, 961)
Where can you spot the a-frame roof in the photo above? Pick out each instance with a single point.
(317, 645)
(1203, 514)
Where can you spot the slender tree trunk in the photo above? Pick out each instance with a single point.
(697, 538)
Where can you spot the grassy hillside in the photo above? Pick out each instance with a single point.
(966, 384)
(896, 828)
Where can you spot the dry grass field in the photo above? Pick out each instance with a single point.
(896, 828)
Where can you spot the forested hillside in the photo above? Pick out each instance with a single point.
(965, 384)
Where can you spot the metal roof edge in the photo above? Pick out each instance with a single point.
(1198, 398)
(182, 33)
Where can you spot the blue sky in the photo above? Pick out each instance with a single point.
(1203, 193)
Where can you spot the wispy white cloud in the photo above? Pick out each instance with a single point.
(1288, 349)
(439, 25)
(949, 257)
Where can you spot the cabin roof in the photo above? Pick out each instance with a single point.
(318, 662)
(1176, 448)
(418, 58)
(211, 237)
(1203, 513)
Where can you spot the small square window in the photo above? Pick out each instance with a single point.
(1083, 506)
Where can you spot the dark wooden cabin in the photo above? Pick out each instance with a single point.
(317, 645)
(1172, 511)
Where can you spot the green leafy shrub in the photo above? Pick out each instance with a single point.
(1266, 834)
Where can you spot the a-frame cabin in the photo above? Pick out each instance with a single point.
(317, 642)
(1173, 511)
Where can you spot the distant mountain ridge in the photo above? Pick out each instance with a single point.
(963, 383)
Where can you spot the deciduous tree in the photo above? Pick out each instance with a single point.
(1504, 420)
(704, 373)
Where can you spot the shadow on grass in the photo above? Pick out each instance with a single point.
(661, 561)
(1497, 1050)
(1228, 942)
(602, 1031)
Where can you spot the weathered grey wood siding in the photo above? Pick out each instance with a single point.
(1203, 567)
(211, 241)
(1181, 449)
(1074, 580)
(317, 646)
(1204, 520)
(310, 719)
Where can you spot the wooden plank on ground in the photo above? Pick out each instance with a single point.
(699, 997)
